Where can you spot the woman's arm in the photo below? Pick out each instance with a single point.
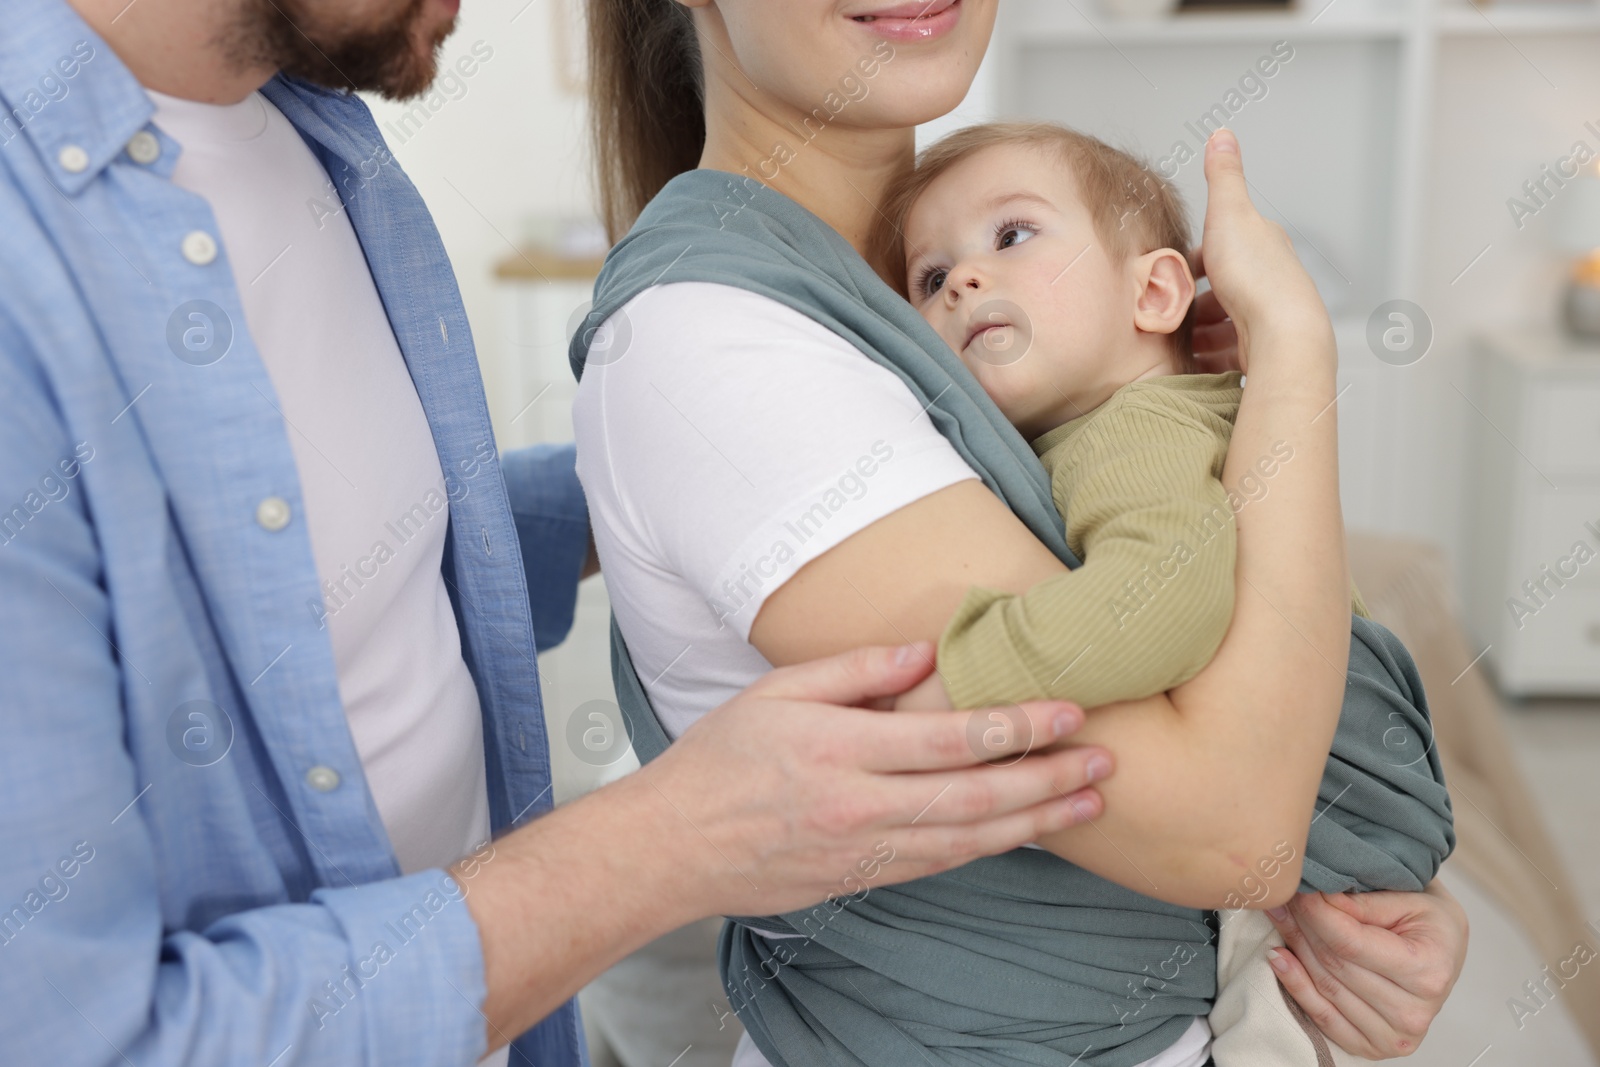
(1182, 823)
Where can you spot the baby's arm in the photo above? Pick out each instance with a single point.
(1153, 600)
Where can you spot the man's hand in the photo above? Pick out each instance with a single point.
(789, 793)
(792, 785)
(927, 695)
(1372, 970)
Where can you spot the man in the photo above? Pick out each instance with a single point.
(272, 618)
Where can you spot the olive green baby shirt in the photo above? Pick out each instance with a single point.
(1138, 483)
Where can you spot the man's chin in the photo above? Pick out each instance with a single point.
(419, 74)
(396, 61)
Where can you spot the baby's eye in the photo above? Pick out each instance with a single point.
(931, 281)
(1010, 234)
(1013, 235)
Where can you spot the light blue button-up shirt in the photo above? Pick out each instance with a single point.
(192, 869)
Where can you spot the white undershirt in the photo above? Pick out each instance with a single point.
(724, 441)
(369, 472)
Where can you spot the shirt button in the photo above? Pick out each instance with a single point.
(73, 159)
(272, 514)
(144, 148)
(199, 247)
(322, 779)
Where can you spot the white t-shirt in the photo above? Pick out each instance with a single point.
(725, 441)
(732, 442)
(369, 472)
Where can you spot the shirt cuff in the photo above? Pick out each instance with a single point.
(552, 520)
(416, 968)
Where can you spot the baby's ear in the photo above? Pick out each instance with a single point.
(1165, 290)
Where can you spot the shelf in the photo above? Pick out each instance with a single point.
(532, 263)
(1465, 20)
(1051, 22)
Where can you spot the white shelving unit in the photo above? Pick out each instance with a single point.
(1047, 22)
(1387, 148)
(1518, 20)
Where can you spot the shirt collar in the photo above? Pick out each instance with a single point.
(335, 122)
(77, 122)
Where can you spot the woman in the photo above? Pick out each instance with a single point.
(763, 494)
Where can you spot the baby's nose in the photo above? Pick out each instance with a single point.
(965, 280)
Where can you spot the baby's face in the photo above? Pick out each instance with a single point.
(1004, 260)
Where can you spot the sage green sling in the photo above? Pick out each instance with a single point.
(1020, 959)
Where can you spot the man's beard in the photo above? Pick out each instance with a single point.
(393, 59)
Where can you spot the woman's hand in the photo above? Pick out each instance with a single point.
(1372, 970)
(1257, 281)
(1215, 340)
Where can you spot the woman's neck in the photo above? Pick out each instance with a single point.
(838, 173)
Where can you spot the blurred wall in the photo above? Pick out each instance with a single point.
(494, 149)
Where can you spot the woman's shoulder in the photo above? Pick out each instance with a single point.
(718, 312)
(712, 224)
(731, 436)
(732, 213)
(725, 229)
(730, 349)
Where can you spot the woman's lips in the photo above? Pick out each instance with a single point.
(921, 20)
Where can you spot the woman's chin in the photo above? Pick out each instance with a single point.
(912, 101)
(929, 79)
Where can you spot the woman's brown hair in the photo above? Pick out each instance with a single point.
(646, 111)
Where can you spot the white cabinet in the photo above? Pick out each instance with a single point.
(1534, 576)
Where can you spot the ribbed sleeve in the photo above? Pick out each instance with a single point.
(1138, 482)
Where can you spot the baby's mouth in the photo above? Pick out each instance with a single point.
(982, 332)
(999, 333)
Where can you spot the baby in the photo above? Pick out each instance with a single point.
(1056, 267)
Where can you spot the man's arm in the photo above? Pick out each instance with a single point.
(90, 964)
(774, 801)
(552, 522)
(96, 971)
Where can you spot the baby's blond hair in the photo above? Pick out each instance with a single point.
(1135, 211)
